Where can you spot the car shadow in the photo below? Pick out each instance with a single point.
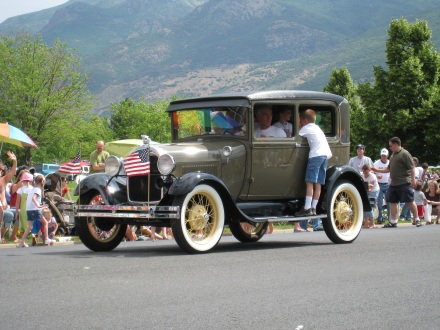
(148, 249)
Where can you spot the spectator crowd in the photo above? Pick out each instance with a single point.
(398, 188)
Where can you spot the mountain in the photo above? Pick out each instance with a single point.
(159, 48)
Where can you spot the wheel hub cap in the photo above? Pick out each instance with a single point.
(343, 213)
(198, 217)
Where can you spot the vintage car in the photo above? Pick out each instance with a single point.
(215, 174)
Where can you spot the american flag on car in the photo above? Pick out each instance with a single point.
(72, 167)
(137, 163)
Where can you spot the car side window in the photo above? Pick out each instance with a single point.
(325, 118)
(210, 121)
(265, 115)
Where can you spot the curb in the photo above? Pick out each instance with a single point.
(15, 245)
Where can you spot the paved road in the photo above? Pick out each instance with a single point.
(386, 279)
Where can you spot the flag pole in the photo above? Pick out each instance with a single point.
(146, 140)
(80, 172)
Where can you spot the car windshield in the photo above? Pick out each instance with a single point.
(229, 121)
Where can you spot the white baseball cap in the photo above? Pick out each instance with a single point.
(384, 151)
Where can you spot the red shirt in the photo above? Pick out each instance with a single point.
(13, 200)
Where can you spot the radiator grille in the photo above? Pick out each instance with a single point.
(138, 185)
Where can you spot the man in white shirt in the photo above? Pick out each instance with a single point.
(263, 127)
(383, 180)
(360, 160)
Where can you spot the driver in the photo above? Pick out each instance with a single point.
(263, 127)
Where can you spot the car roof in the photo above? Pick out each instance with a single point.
(244, 99)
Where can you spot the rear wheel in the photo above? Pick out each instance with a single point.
(60, 231)
(202, 219)
(345, 213)
(247, 233)
(62, 228)
(98, 234)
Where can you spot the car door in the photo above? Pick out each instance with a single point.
(277, 163)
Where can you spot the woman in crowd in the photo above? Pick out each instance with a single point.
(432, 195)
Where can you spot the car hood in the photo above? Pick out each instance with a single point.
(201, 155)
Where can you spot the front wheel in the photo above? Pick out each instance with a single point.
(98, 234)
(344, 214)
(202, 218)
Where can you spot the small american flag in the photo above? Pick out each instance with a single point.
(137, 163)
(72, 167)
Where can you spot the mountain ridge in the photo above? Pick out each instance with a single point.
(154, 49)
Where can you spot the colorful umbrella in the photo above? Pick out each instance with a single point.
(13, 135)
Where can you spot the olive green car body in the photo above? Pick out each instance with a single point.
(216, 173)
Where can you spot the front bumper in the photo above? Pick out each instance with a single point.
(123, 211)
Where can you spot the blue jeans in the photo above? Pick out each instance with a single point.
(303, 224)
(8, 217)
(381, 200)
(372, 196)
(405, 213)
(316, 168)
(317, 223)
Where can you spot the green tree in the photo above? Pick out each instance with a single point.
(340, 83)
(403, 101)
(43, 91)
(130, 120)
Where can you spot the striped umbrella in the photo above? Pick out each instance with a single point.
(13, 135)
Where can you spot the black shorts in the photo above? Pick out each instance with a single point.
(400, 194)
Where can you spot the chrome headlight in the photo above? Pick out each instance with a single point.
(112, 165)
(166, 164)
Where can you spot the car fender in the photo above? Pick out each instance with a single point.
(188, 181)
(111, 190)
(345, 172)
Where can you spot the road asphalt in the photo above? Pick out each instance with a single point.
(276, 231)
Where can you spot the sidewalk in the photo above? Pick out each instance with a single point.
(15, 245)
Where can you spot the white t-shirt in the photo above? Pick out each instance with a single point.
(418, 173)
(271, 131)
(372, 179)
(30, 191)
(287, 128)
(357, 162)
(385, 176)
(419, 197)
(317, 141)
(51, 223)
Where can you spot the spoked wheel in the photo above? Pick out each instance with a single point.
(98, 234)
(202, 219)
(345, 213)
(62, 228)
(246, 232)
(60, 231)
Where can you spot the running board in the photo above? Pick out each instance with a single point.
(287, 218)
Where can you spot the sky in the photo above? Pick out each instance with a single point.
(10, 8)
